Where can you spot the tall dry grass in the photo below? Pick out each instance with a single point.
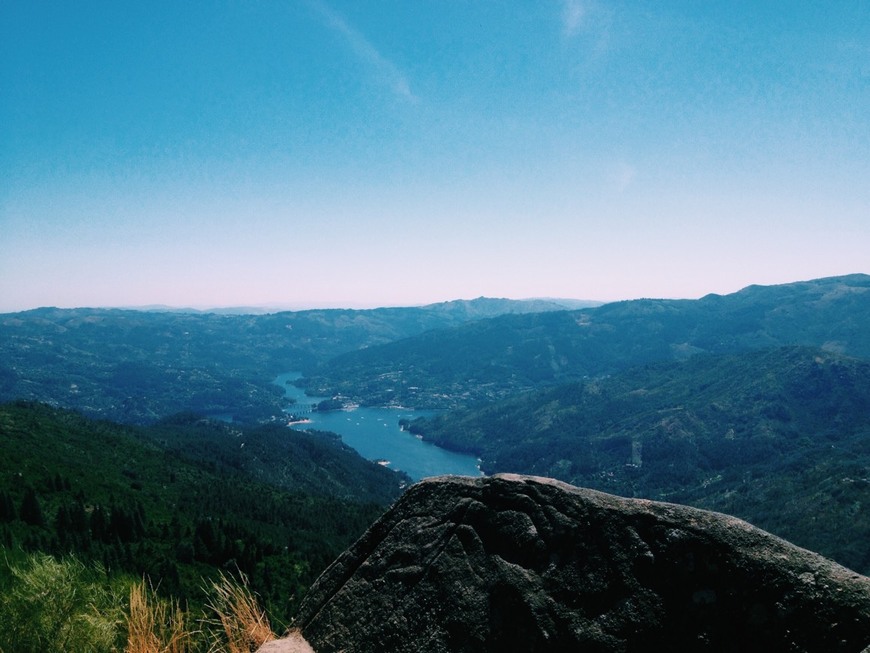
(242, 625)
(155, 625)
(235, 622)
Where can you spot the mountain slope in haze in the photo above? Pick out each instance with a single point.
(137, 366)
(780, 437)
(181, 500)
(469, 310)
(491, 359)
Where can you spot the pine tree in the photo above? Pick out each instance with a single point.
(97, 523)
(31, 512)
(7, 508)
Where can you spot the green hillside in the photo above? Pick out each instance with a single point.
(780, 437)
(180, 500)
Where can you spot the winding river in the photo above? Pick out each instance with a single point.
(375, 434)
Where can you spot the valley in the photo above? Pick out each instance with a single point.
(756, 404)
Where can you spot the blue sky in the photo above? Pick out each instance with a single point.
(326, 153)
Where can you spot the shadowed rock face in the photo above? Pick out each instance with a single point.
(511, 563)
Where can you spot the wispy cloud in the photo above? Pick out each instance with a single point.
(589, 22)
(573, 14)
(384, 70)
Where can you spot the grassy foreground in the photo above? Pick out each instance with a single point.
(49, 605)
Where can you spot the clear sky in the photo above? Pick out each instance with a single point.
(361, 153)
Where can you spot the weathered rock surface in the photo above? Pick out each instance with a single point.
(512, 563)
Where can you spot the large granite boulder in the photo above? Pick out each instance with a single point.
(514, 563)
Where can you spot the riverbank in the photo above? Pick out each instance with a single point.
(376, 434)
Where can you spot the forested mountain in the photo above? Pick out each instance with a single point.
(754, 403)
(137, 366)
(491, 359)
(183, 499)
(779, 437)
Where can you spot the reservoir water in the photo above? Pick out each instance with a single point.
(376, 435)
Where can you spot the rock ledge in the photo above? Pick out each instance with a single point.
(519, 563)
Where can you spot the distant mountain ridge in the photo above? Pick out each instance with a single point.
(494, 358)
(136, 366)
(484, 307)
(139, 366)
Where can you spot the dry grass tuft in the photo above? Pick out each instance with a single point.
(155, 625)
(244, 624)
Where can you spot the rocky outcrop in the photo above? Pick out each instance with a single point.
(512, 563)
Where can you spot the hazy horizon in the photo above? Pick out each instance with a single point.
(295, 307)
(335, 153)
(351, 305)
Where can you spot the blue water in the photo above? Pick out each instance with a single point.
(375, 434)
